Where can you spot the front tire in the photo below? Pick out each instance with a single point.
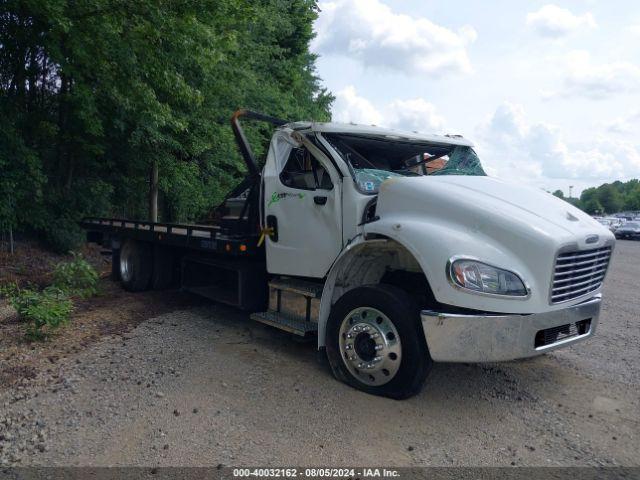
(375, 342)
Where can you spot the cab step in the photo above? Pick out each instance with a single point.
(290, 323)
(305, 288)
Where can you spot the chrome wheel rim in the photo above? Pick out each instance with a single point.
(370, 346)
(126, 268)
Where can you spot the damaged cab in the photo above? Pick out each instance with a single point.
(422, 257)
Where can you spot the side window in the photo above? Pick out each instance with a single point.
(303, 171)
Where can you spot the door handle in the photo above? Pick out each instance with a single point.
(318, 200)
(272, 223)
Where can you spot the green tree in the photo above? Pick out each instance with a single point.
(574, 201)
(632, 195)
(589, 201)
(94, 92)
(610, 198)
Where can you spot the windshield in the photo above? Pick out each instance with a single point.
(373, 159)
(632, 225)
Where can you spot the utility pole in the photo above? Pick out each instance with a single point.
(153, 192)
(570, 188)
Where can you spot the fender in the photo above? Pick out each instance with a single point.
(352, 250)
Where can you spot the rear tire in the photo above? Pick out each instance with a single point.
(135, 265)
(375, 342)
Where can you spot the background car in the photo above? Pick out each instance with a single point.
(628, 230)
(607, 223)
(615, 223)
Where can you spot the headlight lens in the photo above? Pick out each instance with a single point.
(484, 278)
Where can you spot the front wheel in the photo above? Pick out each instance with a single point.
(375, 342)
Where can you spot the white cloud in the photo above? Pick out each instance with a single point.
(514, 147)
(370, 32)
(554, 22)
(625, 124)
(349, 107)
(412, 114)
(585, 77)
(416, 115)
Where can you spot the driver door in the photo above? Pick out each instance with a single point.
(302, 205)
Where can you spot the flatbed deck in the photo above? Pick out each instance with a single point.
(207, 238)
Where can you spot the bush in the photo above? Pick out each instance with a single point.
(43, 312)
(63, 235)
(76, 278)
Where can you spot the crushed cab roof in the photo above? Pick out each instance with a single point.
(354, 129)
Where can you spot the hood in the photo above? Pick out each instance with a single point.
(507, 225)
(487, 200)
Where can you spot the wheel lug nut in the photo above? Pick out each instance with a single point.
(374, 335)
(348, 347)
(378, 347)
(377, 359)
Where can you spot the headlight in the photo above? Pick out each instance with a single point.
(482, 278)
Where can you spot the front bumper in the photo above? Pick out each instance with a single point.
(498, 337)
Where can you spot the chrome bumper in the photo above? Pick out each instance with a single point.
(491, 338)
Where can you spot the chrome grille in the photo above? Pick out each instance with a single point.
(578, 273)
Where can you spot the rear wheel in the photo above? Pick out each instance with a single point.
(135, 265)
(375, 342)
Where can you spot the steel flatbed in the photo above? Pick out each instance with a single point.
(204, 238)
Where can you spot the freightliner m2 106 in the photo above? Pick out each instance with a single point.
(395, 249)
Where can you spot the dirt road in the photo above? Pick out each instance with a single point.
(206, 386)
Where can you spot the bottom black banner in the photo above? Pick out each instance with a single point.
(231, 473)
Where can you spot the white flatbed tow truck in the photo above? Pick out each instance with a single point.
(347, 234)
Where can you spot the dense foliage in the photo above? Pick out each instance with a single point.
(607, 198)
(94, 92)
(41, 311)
(76, 277)
(45, 310)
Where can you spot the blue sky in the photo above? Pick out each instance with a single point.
(548, 92)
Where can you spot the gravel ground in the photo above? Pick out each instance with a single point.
(206, 386)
